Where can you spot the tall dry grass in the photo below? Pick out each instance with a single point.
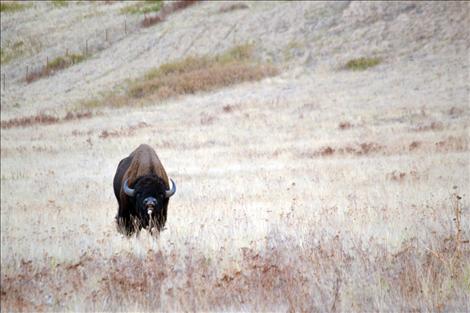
(189, 76)
(265, 219)
(287, 272)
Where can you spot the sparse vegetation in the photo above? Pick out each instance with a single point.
(142, 7)
(290, 50)
(191, 75)
(20, 47)
(233, 7)
(283, 272)
(43, 119)
(315, 191)
(55, 65)
(13, 6)
(362, 64)
(167, 10)
(11, 52)
(60, 3)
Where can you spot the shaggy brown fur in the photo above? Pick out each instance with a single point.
(144, 162)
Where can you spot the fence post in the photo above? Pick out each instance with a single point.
(67, 52)
(4, 82)
(125, 27)
(47, 61)
(27, 73)
(106, 34)
(86, 47)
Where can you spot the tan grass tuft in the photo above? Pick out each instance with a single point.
(55, 65)
(189, 76)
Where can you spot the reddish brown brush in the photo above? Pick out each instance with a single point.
(344, 125)
(43, 119)
(167, 10)
(287, 274)
(30, 120)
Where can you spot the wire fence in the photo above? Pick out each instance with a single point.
(93, 44)
(101, 40)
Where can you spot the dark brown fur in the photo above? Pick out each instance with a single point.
(144, 162)
(140, 166)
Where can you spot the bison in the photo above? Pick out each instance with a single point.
(142, 191)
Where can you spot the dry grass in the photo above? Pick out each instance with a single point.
(189, 76)
(142, 7)
(315, 191)
(12, 51)
(168, 9)
(59, 3)
(285, 273)
(13, 6)
(55, 65)
(266, 219)
(43, 119)
(206, 79)
(233, 7)
(362, 64)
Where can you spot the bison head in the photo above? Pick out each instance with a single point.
(150, 198)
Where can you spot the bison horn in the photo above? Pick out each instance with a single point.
(172, 191)
(128, 191)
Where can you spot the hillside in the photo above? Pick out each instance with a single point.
(320, 149)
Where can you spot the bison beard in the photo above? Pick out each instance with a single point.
(142, 190)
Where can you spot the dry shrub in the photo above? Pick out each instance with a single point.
(400, 176)
(105, 134)
(227, 109)
(57, 64)
(447, 144)
(43, 119)
(167, 10)
(77, 115)
(206, 79)
(326, 151)
(149, 21)
(452, 143)
(396, 176)
(316, 273)
(434, 126)
(188, 76)
(455, 112)
(361, 64)
(344, 125)
(368, 147)
(415, 145)
(361, 149)
(206, 119)
(233, 7)
(122, 132)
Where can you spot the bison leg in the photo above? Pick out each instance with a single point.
(125, 225)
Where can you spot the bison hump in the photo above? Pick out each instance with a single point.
(145, 162)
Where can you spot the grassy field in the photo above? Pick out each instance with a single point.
(281, 205)
(300, 187)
